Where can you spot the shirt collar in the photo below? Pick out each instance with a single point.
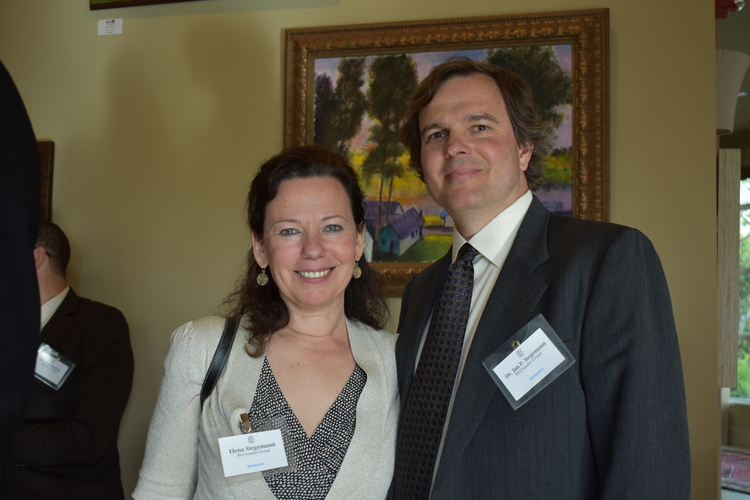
(491, 240)
(50, 307)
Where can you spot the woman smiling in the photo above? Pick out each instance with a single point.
(308, 362)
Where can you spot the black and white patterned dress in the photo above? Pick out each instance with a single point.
(318, 457)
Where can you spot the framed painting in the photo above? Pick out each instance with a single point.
(115, 4)
(346, 87)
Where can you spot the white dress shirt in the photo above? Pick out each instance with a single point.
(50, 307)
(493, 242)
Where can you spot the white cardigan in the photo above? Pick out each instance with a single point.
(182, 459)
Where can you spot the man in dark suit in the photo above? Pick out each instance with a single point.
(67, 445)
(613, 424)
(19, 296)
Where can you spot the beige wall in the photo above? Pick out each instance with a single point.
(158, 132)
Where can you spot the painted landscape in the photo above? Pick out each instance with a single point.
(358, 109)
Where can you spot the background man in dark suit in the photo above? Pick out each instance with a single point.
(19, 296)
(67, 445)
(613, 425)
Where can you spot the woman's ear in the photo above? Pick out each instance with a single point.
(360, 246)
(259, 251)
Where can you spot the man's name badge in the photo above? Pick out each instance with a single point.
(52, 368)
(254, 452)
(527, 363)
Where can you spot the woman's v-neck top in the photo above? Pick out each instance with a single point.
(318, 457)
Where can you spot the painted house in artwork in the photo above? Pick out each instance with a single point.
(447, 219)
(403, 231)
(388, 210)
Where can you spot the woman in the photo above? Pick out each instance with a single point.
(308, 348)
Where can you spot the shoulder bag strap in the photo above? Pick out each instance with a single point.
(220, 358)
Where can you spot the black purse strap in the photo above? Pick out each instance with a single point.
(220, 358)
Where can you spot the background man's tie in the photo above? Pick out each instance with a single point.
(425, 411)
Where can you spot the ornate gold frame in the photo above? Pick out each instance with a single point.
(586, 30)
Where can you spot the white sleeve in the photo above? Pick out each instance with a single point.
(170, 464)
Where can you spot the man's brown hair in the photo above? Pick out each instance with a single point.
(528, 126)
(56, 245)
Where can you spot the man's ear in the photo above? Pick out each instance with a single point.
(259, 251)
(524, 156)
(40, 257)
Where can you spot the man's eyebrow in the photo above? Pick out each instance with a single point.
(429, 127)
(481, 118)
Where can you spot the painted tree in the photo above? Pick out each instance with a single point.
(325, 110)
(392, 79)
(538, 66)
(339, 111)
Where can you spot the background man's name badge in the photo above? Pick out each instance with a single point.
(52, 368)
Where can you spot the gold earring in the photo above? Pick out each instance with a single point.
(357, 271)
(262, 278)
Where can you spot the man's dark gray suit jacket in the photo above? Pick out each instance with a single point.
(614, 425)
(67, 445)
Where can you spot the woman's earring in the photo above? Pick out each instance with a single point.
(262, 278)
(357, 271)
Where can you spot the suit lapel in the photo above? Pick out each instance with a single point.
(510, 305)
(60, 320)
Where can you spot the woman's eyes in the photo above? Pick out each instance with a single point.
(330, 228)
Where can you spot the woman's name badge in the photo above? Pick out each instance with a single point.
(254, 452)
(52, 368)
(533, 358)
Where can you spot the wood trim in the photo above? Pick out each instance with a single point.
(728, 264)
(47, 160)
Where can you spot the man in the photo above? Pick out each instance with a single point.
(19, 296)
(611, 425)
(67, 445)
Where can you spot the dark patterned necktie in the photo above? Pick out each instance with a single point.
(424, 415)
